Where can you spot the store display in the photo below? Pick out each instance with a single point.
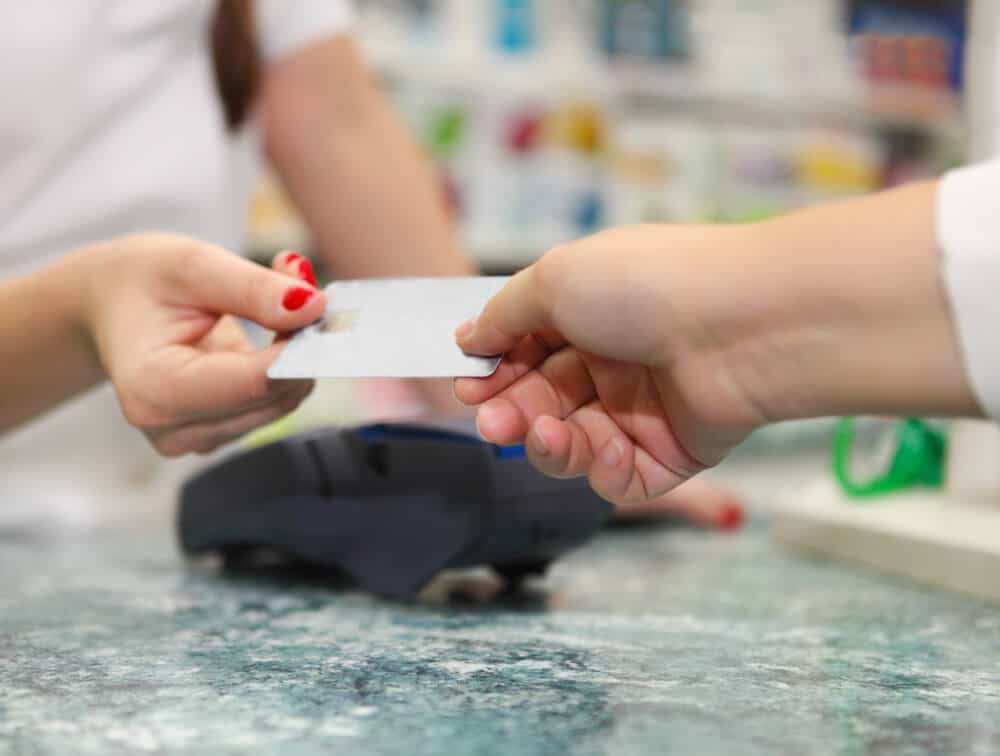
(550, 120)
(906, 43)
(516, 25)
(645, 29)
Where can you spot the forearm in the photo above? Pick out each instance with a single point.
(46, 353)
(389, 218)
(368, 195)
(849, 313)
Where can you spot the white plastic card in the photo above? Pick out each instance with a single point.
(391, 328)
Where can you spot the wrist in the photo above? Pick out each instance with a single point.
(850, 315)
(75, 282)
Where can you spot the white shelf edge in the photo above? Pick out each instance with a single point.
(923, 536)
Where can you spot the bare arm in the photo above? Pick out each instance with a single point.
(46, 353)
(642, 355)
(366, 192)
(148, 312)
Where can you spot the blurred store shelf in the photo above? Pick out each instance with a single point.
(657, 87)
(652, 88)
(543, 145)
(497, 252)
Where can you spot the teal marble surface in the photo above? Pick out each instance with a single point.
(647, 641)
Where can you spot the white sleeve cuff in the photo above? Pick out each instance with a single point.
(968, 231)
(286, 26)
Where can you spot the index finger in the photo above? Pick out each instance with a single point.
(221, 282)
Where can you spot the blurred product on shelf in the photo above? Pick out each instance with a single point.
(912, 44)
(549, 120)
(651, 30)
(516, 25)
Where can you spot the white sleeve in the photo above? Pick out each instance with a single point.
(285, 26)
(968, 231)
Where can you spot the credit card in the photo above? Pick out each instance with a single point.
(391, 328)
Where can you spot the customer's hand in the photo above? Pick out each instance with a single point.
(614, 367)
(162, 312)
(641, 356)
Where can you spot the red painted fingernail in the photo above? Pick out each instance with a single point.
(292, 257)
(296, 298)
(306, 272)
(731, 517)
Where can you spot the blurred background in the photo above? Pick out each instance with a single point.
(552, 119)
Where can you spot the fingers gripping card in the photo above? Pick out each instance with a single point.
(391, 328)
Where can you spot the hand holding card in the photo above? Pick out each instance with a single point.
(391, 328)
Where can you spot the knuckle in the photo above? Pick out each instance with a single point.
(183, 260)
(181, 443)
(133, 391)
(187, 254)
(259, 389)
(208, 446)
(170, 446)
(559, 254)
(548, 273)
(142, 415)
(252, 289)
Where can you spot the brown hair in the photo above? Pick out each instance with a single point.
(236, 59)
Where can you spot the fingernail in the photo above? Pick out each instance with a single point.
(296, 299)
(731, 517)
(306, 272)
(465, 330)
(613, 453)
(292, 257)
(540, 445)
(486, 413)
(479, 425)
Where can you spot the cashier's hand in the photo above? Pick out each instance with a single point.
(161, 311)
(614, 366)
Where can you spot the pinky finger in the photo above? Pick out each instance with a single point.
(627, 475)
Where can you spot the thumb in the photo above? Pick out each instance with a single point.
(519, 309)
(221, 282)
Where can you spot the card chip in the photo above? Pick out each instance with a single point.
(339, 322)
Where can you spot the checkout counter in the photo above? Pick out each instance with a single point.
(653, 639)
(648, 640)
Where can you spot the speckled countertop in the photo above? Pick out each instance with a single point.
(648, 641)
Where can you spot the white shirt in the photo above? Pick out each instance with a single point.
(968, 218)
(968, 227)
(111, 124)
